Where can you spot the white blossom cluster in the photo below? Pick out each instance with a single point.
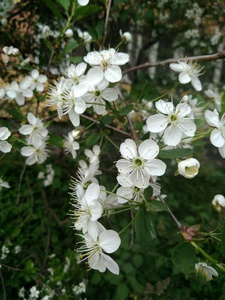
(195, 13)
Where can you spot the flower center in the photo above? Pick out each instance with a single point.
(191, 170)
(97, 93)
(173, 118)
(138, 162)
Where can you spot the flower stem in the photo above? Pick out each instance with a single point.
(129, 224)
(207, 256)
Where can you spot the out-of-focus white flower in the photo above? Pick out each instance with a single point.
(69, 32)
(127, 36)
(80, 288)
(107, 241)
(5, 147)
(140, 163)
(207, 271)
(67, 265)
(9, 51)
(36, 129)
(174, 122)
(189, 72)
(86, 37)
(34, 293)
(83, 2)
(189, 167)
(17, 249)
(21, 292)
(19, 91)
(105, 64)
(218, 202)
(50, 175)
(93, 155)
(217, 136)
(35, 153)
(36, 81)
(5, 251)
(2, 93)
(217, 97)
(70, 146)
(4, 184)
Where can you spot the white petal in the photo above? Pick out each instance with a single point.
(95, 210)
(20, 99)
(39, 87)
(188, 127)
(148, 149)
(4, 133)
(124, 166)
(164, 107)
(124, 180)
(128, 149)
(5, 147)
(184, 78)
(120, 58)
(81, 68)
(222, 151)
(92, 192)
(157, 123)
(80, 106)
(155, 167)
(95, 75)
(140, 179)
(42, 78)
(110, 94)
(212, 118)
(113, 74)
(27, 151)
(31, 160)
(109, 241)
(216, 138)
(27, 93)
(34, 74)
(125, 192)
(172, 135)
(196, 83)
(26, 129)
(176, 67)
(80, 89)
(110, 264)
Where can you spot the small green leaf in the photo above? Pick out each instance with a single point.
(175, 153)
(84, 11)
(76, 59)
(184, 257)
(107, 119)
(144, 229)
(51, 5)
(65, 4)
(223, 238)
(92, 139)
(154, 205)
(122, 292)
(16, 114)
(56, 140)
(126, 110)
(15, 232)
(223, 104)
(41, 98)
(70, 46)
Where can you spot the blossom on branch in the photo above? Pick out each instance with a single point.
(207, 271)
(188, 167)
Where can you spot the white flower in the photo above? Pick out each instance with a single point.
(218, 202)
(207, 271)
(105, 64)
(189, 72)
(4, 184)
(35, 152)
(19, 91)
(107, 241)
(36, 81)
(85, 36)
(2, 93)
(76, 73)
(17, 249)
(140, 163)
(5, 147)
(70, 146)
(83, 2)
(93, 155)
(173, 120)
(217, 136)
(69, 33)
(188, 167)
(97, 94)
(21, 292)
(36, 129)
(127, 36)
(10, 50)
(34, 293)
(217, 97)
(88, 210)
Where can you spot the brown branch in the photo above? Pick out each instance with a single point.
(219, 55)
(3, 286)
(106, 21)
(179, 225)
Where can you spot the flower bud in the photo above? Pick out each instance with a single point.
(188, 167)
(69, 33)
(218, 202)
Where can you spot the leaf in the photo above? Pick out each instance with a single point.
(154, 205)
(144, 229)
(84, 11)
(92, 139)
(76, 59)
(65, 4)
(51, 5)
(126, 110)
(70, 46)
(122, 292)
(107, 119)
(175, 153)
(56, 140)
(223, 104)
(223, 238)
(184, 257)
(15, 232)
(16, 114)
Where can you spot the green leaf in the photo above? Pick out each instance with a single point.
(16, 114)
(51, 5)
(16, 232)
(76, 59)
(122, 292)
(175, 153)
(70, 46)
(84, 11)
(49, 45)
(223, 238)
(41, 98)
(126, 110)
(107, 119)
(223, 104)
(154, 205)
(56, 140)
(184, 257)
(92, 139)
(144, 229)
(65, 4)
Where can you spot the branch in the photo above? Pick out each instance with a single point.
(106, 21)
(219, 55)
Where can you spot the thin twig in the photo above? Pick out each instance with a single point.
(106, 21)
(179, 225)
(219, 55)
(3, 286)
(12, 268)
